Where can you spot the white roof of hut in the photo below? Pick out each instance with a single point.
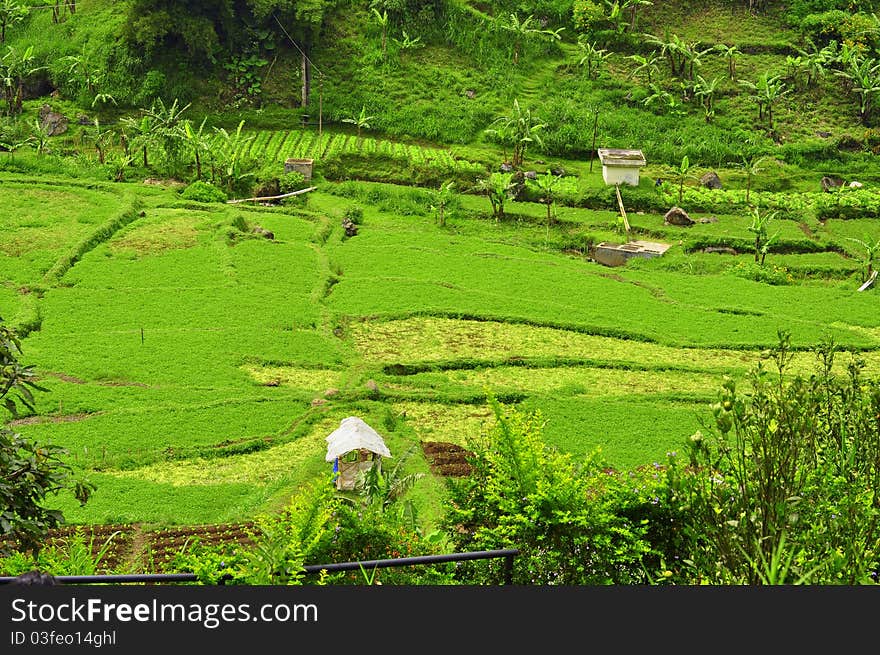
(353, 434)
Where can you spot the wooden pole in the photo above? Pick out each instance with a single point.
(320, 102)
(283, 195)
(622, 210)
(595, 133)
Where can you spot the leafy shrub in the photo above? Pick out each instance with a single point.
(201, 191)
(780, 488)
(563, 517)
(354, 214)
(775, 275)
(292, 181)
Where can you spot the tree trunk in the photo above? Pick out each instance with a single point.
(306, 75)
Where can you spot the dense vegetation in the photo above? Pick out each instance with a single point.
(705, 416)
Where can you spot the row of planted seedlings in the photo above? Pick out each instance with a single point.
(278, 145)
(165, 544)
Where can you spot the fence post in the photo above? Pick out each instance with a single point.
(508, 569)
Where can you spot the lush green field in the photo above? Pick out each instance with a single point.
(193, 369)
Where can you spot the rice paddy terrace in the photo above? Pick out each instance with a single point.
(194, 367)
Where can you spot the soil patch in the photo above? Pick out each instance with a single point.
(447, 459)
(32, 420)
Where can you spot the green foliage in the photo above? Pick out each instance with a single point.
(30, 473)
(518, 129)
(292, 181)
(560, 514)
(281, 544)
(355, 214)
(781, 488)
(498, 188)
(763, 239)
(11, 13)
(203, 192)
(74, 555)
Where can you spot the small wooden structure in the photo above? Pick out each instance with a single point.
(617, 254)
(303, 166)
(621, 166)
(354, 448)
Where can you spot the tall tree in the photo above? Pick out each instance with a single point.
(29, 472)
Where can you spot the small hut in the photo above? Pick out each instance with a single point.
(621, 166)
(354, 448)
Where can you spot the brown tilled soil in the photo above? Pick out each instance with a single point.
(447, 459)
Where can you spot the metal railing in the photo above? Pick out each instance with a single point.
(366, 565)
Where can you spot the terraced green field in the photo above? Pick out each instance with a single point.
(194, 369)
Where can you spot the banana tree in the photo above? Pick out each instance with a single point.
(592, 58)
(199, 143)
(646, 65)
(758, 227)
(498, 188)
(680, 174)
(520, 128)
(871, 248)
(525, 29)
(546, 184)
(11, 12)
(705, 90)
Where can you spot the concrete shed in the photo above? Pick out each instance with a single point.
(621, 166)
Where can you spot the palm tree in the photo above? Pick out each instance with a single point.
(11, 12)
(525, 29)
(497, 187)
(730, 53)
(361, 121)
(521, 128)
(382, 19)
(592, 58)
(705, 90)
(646, 65)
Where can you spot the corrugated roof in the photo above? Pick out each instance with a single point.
(621, 157)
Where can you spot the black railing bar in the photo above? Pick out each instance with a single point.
(406, 561)
(508, 554)
(117, 578)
